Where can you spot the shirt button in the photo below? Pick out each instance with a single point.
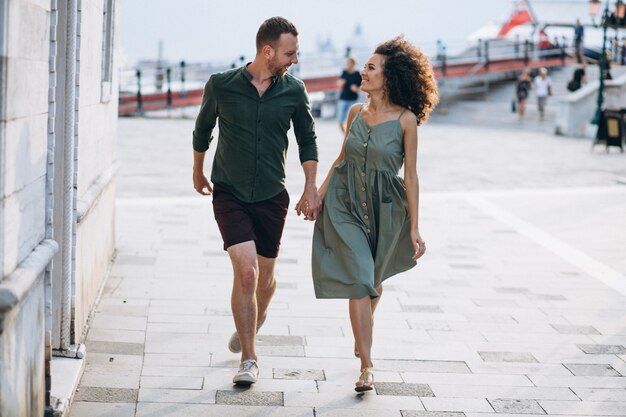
(362, 188)
(364, 204)
(366, 217)
(369, 130)
(362, 174)
(365, 145)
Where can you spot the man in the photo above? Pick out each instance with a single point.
(349, 82)
(579, 36)
(255, 105)
(543, 89)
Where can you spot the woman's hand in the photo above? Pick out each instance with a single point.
(418, 244)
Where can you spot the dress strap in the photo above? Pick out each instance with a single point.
(401, 114)
(361, 108)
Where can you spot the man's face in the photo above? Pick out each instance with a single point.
(284, 55)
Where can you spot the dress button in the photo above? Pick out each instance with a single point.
(366, 217)
(364, 204)
(362, 174)
(362, 188)
(368, 230)
(365, 145)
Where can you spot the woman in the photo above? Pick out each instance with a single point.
(522, 91)
(368, 228)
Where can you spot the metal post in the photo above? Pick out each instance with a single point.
(183, 92)
(444, 61)
(479, 50)
(139, 98)
(526, 52)
(168, 77)
(600, 100)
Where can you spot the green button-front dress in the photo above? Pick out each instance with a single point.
(362, 236)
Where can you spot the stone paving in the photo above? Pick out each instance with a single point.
(517, 309)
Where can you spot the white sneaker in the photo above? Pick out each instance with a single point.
(248, 373)
(234, 345)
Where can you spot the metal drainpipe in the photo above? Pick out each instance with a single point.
(68, 174)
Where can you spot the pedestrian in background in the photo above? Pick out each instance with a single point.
(256, 105)
(349, 82)
(368, 229)
(579, 36)
(579, 77)
(522, 91)
(543, 89)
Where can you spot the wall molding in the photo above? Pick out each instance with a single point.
(15, 287)
(91, 197)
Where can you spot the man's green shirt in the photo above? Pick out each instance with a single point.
(252, 145)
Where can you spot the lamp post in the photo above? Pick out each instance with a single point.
(594, 8)
(616, 20)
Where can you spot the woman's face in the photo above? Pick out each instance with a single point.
(372, 75)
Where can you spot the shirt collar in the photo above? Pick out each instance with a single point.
(246, 73)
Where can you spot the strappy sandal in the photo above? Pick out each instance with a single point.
(366, 379)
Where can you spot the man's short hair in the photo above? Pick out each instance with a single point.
(270, 31)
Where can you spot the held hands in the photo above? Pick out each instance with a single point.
(418, 244)
(309, 204)
(201, 184)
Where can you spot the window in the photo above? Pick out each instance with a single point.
(108, 18)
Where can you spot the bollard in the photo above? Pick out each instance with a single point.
(139, 98)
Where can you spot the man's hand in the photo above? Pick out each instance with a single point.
(309, 204)
(201, 183)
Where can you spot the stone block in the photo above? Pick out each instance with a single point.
(603, 349)
(106, 395)
(25, 153)
(115, 348)
(418, 413)
(27, 89)
(24, 224)
(513, 406)
(404, 389)
(184, 396)
(29, 30)
(102, 409)
(574, 329)
(507, 357)
(252, 398)
(304, 374)
(585, 369)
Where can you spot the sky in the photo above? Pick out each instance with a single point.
(223, 30)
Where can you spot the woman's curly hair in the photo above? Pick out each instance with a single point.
(409, 77)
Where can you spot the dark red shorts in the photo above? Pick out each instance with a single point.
(262, 222)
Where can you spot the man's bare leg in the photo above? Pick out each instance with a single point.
(266, 285)
(243, 298)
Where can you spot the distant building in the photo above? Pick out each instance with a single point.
(58, 127)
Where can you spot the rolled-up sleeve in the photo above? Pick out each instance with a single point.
(304, 129)
(205, 122)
